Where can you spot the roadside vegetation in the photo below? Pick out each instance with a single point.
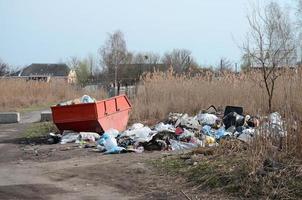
(161, 93)
(38, 130)
(234, 169)
(27, 95)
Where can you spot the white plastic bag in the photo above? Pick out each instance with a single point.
(207, 119)
(89, 136)
(161, 127)
(178, 145)
(69, 137)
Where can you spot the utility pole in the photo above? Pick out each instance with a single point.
(115, 79)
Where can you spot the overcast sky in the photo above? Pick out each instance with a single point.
(49, 31)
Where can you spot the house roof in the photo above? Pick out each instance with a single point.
(39, 69)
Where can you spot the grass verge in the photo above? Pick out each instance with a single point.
(38, 132)
(231, 172)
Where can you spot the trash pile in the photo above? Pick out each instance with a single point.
(179, 132)
(83, 99)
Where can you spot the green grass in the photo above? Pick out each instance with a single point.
(35, 108)
(37, 130)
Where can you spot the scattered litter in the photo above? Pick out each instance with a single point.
(112, 132)
(179, 132)
(88, 136)
(188, 122)
(178, 145)
(69, 137)
(109, 143)
(164, 127)
(276, 124)
(233, 119)
(207, 119)
(236, 109)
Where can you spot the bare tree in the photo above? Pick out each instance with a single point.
(270, 44)
(73, 62)
(225, 64)
(4, 68)
(146, 58)
(246, 62)
(114, 53)
(299, 26)
(180, 59)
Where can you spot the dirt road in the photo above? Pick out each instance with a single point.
(69, 172)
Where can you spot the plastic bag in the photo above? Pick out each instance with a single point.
(177, 145)
(207, 119)
(188, 122)
(144, 134)
(113, 132)
(87, 99)
(161, 127)
(275, 118)
(139, 132)
(210, 140)
(221, 133)
(136, 126)
(276, 124)
(89, 136)
(110, 144)
(69, 137)
(233, 119)
(207, 130)
(186, 134)
(245, 137)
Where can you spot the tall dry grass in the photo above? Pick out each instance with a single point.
(16, 94)
(160, 93)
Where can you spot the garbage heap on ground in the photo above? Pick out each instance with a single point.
(180, 132)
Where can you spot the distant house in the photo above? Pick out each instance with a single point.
(47, 72)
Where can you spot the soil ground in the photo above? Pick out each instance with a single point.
(41, 171)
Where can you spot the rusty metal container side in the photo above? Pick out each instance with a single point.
(93, 117)
(114, 113)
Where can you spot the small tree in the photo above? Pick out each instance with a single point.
(179, 59)
(270, 44)
(83, 72)
(114, 53)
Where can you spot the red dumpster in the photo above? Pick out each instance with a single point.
(93, 117)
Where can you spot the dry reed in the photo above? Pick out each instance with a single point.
(17, 94)
(160, 93)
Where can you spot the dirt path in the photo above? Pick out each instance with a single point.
(69, 172)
